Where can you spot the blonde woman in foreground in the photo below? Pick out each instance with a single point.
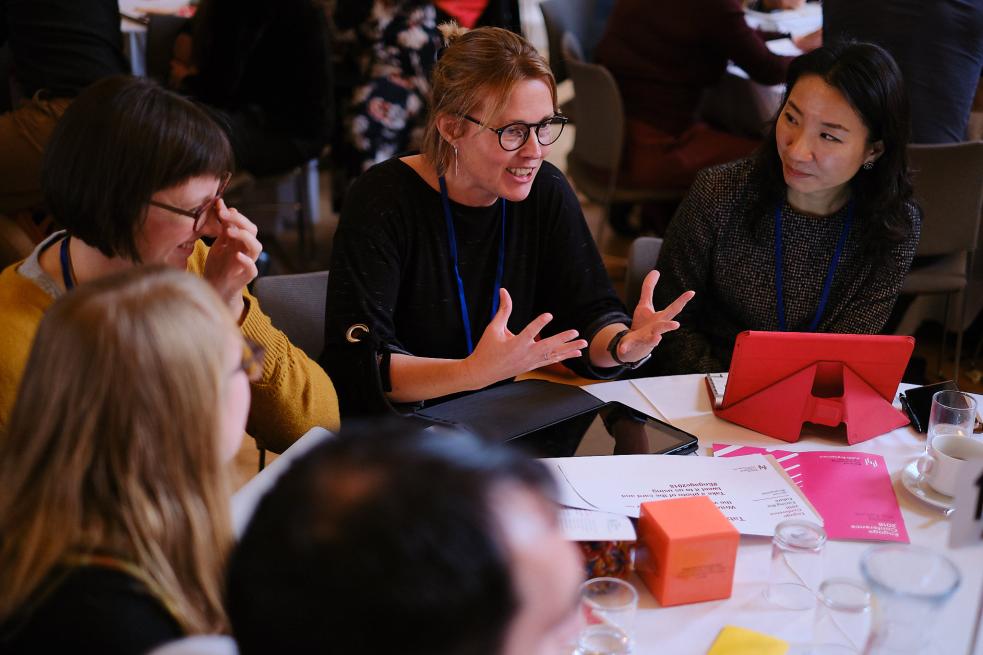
(114, 514)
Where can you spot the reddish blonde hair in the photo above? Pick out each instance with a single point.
(112, 443)
(475, 67)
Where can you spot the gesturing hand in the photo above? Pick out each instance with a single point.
(500, 354)
(648, 325)
(231, 262)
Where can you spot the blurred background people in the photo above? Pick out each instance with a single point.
(664, 55)
(388, 539)
(121, 207)
(480, 13)
(938, 46)
(394, 44)
(57, 48)
(815, 233)
(263, 69)
(115, 510)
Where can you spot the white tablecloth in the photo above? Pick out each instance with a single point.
(690, 629)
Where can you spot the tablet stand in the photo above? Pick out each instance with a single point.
(780, 409)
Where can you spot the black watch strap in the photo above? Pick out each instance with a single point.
(613, 351)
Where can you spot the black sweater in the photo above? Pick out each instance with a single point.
(391, 268)
(62, 46)
(92, 610)
(710, 248)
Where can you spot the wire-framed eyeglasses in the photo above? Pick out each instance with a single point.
(253, 358)
(201, 210)
(514, 135)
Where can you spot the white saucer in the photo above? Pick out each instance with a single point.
(914, 483)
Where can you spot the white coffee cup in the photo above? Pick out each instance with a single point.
(945, 460)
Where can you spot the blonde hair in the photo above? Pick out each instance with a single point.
(475, 66)
(112, 447)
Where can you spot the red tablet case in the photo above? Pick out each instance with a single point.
(780, 380)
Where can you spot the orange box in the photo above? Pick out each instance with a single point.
(691, 547)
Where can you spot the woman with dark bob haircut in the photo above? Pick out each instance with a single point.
(815, 232)
(135, 174)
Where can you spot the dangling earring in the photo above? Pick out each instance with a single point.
(455, 160)
(868, 165)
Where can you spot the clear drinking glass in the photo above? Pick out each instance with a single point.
(953, 416)
(842, 619)
(609, 606)
(910, 585)
(796, 564)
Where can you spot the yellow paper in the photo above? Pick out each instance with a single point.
(741, 641)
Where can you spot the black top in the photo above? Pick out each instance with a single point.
(272, 58)
(938, 46)
(92, 610)
(391, 268)
(62, 46)
(711, 249)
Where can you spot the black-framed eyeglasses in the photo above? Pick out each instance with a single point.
(514, 135)
(203, 208)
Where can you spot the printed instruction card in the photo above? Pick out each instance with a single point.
(753, 492)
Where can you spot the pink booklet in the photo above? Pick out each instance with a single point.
(852, 491)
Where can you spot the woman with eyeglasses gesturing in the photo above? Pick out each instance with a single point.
(471, 263)
(135, 174)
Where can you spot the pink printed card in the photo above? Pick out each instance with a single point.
(852, 491)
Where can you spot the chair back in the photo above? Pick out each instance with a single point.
(561, 16)
(295, 305)
(948, 182)
(290, 199)
(162, 31)
(600, 113)
(642, 256)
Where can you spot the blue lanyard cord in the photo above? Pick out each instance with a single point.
(830, 272)
(452, 241)
(66, 264)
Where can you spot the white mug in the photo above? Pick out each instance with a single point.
(945, 459)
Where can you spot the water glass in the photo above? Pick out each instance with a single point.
(910, 585)
(953, 412)
(796, 564)
(842, 619)
(609, 606)
(952, 419)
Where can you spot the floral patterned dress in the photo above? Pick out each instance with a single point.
(397, 43)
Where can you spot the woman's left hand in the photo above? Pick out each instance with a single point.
(231, 263)
(648, 325)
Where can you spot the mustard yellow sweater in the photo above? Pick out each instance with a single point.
(293, 395)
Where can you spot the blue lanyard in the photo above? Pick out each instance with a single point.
(827, 283)
(452, 240)
(66, 265)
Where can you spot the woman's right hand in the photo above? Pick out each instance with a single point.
(500, 354)
(231, 262)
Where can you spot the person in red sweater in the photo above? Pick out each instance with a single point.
(664, 55)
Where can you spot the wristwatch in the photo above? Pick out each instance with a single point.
(613, 351)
